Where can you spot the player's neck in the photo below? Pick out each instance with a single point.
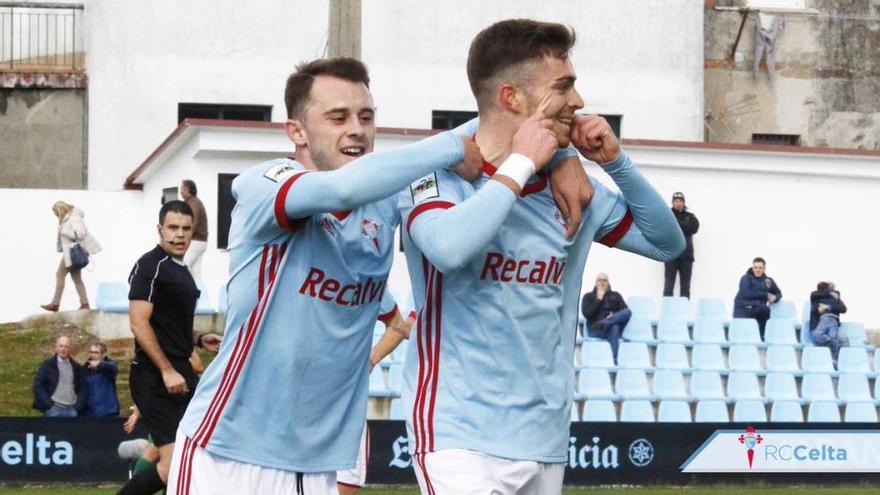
(304, 158)
(495, 138)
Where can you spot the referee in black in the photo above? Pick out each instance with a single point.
(162, 303)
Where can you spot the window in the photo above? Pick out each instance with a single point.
(260, 113)
(777, 139)
(225, 203)
(614, 121)
(169, 194)
(450, 119)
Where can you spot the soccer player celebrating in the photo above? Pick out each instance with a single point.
(283, 405)
(490, 393)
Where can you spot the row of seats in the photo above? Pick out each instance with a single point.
(708, 385)
(707, 308)
(112, 297)
(740, 357)
(715, 411)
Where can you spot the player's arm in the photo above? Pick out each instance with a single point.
(206, 340)
(396, 331)
(377, 175)
(139, 313)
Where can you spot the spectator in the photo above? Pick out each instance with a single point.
(60, 390)
(199, 243)
(100, 375)
(606, 313)
(756, 293)
(685, 261)
(71, 230)
(825, 310)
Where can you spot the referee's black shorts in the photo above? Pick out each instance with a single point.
(161, 412)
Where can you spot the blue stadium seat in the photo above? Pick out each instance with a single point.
(673, 328)
(597, 354)
(112, 297)
(805, 325)
(642, 306)
(782, 358)
(669, 384)
(632, 384)
(636, 411)
(711, 411)
(742, 385)
(711, 308)
(749, 411)
(706, 385)
(744, 331)
(676, 306)
(817, 387)
(817, 360)
(781, 387)
(639, 329)
(780, 332)
(594, 384)
(600, 411)
(784, 310)
(709, 331)
(877, 363)
(708, 357)
(633, 355)
(855, 332)
(853, 387)
(203, 305)
(575, 414)
(377, 384)
(744, 358)
(398, 412)
(823, 412)
(674, 411)
(860, 412)
(853, 360)
(786, 411)
(672, 357)
(395, 379)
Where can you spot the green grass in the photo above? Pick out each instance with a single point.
(720, 490)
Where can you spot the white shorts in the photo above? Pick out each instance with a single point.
(468, 472)
(357, 476)
(195, 471)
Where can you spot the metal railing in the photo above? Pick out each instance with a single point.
(35, 36)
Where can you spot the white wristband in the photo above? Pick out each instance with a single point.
(518, 167)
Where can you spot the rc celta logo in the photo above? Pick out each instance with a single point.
(750, 439)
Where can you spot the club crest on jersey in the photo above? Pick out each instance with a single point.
(370, 231)
(279, 172)
(425, 188)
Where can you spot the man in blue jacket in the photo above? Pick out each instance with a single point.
(60, 389)
(100, 375)
(756, 293)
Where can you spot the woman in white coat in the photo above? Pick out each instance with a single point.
(71, 229)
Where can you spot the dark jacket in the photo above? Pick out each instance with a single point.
(47, 380)
(101, 383)
(595, 310)
(689, 226)
(837, 307)
(753, 290)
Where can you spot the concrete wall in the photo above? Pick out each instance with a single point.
(43, 141)
(828, 85)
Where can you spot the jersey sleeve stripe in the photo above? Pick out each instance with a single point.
(612, 238)
(430, 205)
(386, 317)
(280, 199)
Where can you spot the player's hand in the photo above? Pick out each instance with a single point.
(471, 166)
(211, 342)
(593, 137)
(174, 382)
(132, 421)
(535, 138)
(572, 191)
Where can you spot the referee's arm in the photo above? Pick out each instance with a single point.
(139, 318)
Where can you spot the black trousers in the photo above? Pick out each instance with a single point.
(760, 313)
(683, 268)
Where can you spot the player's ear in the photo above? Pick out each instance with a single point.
(296, 131)
(511, 98)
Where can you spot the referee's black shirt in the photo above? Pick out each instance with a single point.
(160, 279)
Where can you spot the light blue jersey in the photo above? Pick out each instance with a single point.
(288, 389)
(491, 357)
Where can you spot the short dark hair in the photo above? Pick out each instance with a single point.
(509, 43)
(174, 206)
(191, 187)
(299, 84)
(100, 345)
(759, 260)
(823, 286)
